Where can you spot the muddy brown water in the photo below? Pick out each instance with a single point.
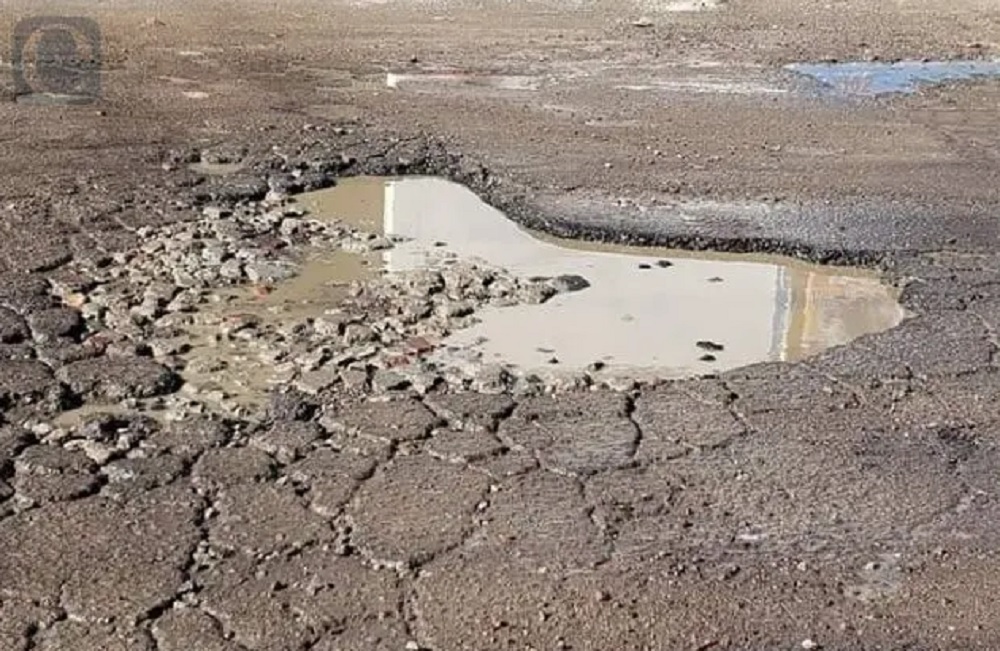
(243, 370)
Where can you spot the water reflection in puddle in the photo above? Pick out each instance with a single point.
(878, 78)
(663, 312)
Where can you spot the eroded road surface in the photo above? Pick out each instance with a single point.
(459, 325)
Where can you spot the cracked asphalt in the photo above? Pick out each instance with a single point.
(849, 501)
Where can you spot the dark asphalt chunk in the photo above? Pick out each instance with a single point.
(398, 420)
(130, 477)
(36, 248)
(241, 188)
(83, 635)
(331, 478)
(25, 293)
(101, 559)
(223, 468)
(673, 422)
(291, 525)
(569, 283)
(579, 434)
(188, 438)
(13, 328)
(30, 382)
(118, 378)
(291, 405)
(55, 323)
(471, 411)
(45, 473)
(287, 441)
(13, 439)
(430, 501)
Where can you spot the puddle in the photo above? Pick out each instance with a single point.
(879, 78)
(432, 81)
(661, 312)
(321, 283)
(53, 99)
(692, 5)
(424, 81)
(707, 84)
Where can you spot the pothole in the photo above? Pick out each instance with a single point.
(641, 311)
(863, 78)
(385, 284)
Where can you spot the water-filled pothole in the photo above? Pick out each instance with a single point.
(878, 78)
(641, 311)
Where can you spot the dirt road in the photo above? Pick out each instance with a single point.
(845, 502)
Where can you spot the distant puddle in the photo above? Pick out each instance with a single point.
(879, 78)
(53, 99)
(692, 5)
(430, 81)
(665, 312)
(707, 84)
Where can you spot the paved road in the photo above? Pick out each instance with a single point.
(848, 502)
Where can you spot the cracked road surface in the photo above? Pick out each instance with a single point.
(849, 501)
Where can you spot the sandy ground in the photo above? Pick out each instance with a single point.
(845, 503)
